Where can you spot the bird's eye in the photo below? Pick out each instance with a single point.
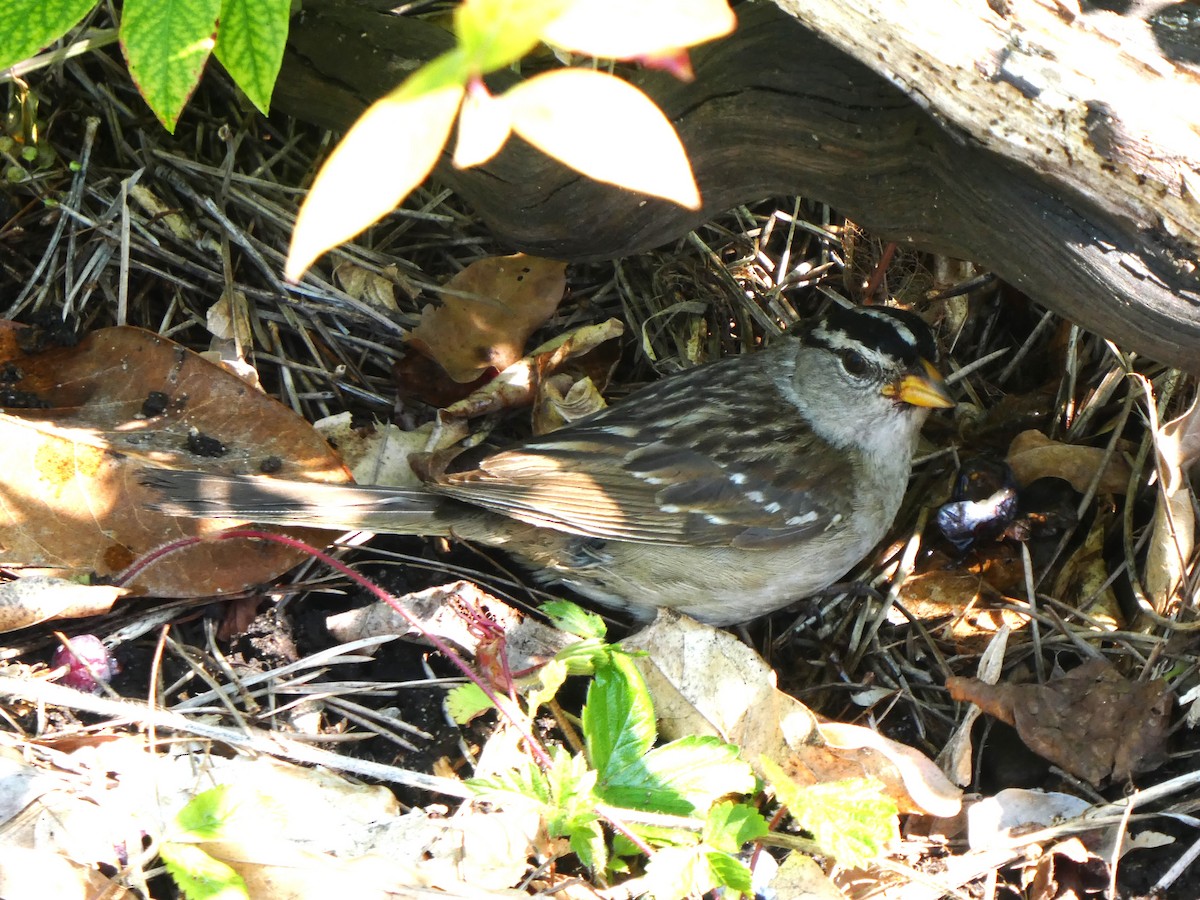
(854, 363)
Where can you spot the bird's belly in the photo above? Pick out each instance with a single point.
(718, 585)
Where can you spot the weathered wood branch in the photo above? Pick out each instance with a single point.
(1004, 156)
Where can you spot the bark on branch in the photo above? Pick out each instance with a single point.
(1060, 150)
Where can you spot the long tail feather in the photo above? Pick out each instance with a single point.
(273, 501)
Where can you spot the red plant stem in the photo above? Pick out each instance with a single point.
(538, 751)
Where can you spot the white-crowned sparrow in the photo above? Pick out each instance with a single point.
(726, 491)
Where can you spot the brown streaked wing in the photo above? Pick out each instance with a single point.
(595, 481)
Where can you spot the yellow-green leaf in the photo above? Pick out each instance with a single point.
(605, 27)
(496, 33)
(26, 26)
(605, 128)
(483, 127)
(387, 153)
(166, 44)
(250, 45)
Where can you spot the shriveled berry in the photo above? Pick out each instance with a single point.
(88, 663)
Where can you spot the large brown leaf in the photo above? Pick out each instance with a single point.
(121, 400)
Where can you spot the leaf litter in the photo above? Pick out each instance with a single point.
(1115, 588)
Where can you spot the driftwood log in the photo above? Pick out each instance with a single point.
(1058, 146)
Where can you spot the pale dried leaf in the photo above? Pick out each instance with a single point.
(514, 387)
(561, 400)
(40, 598)
(705, 681)
(923, 781)
(379, 453)
(1173, 535)
(1016, 809)
(229, 318)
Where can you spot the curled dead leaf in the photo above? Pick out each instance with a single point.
(1032, 455)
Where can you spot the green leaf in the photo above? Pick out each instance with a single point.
(678, 778)
(199, 876)
(467, 701)
(26, 26)
(206, 817)
(728, 872)
(496, 33)
(618, 717)
(605, 128)
(586, 656)
(387, 153)
(550, 678)
(574, 619)
(250, 45)
(730, 826)
(851, 820)
(166, 44)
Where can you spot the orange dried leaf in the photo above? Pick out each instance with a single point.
(122, 400)
(487, 313)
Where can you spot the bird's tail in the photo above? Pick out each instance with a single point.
(271, 501)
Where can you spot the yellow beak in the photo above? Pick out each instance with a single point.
(921, 390)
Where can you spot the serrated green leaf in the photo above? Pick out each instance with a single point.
(250, 45)
(587, 840)
(166, 44)
(26, 26)
(467, 701)
(852, 819)
(384, 156)
(618, 718)
(730, 826)
(207, 815)
(729, 872)
(584, 657)
(678, 778)
(574, 619)
(496, 33)
(199, 876)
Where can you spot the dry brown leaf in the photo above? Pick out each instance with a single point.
(488, 311)
(122, 400)
(229, 319)
(1032, 455)
(1092, 721)
(561, 400)
(370, 287)
(516, 385)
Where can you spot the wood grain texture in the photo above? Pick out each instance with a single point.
(777, 109)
